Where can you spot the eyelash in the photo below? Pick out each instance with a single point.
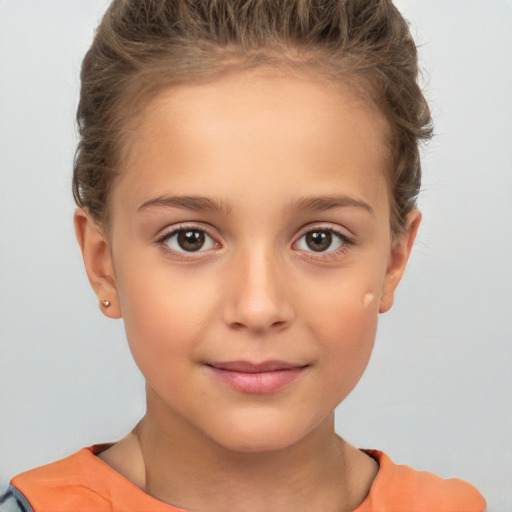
(163, 240)
(346, 242)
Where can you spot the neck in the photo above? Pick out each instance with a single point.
(312, 474)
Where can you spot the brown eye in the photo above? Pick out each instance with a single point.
(189, 240)
(319, 241)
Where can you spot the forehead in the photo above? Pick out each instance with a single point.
(279, 127)
(260, 93)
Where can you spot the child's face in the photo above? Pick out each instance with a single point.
(250, 232)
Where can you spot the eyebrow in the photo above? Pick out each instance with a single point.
(197, 203)
(328, 203)
(205, 204)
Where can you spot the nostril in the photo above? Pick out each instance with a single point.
(258, 326)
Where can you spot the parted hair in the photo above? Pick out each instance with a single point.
(143, 46)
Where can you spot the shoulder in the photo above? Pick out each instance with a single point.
(82, 483)
(13, 501)
(67, 481)
(399, 488)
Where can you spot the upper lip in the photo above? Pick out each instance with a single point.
(250, 367)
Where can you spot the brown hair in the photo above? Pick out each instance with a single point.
(142, 46)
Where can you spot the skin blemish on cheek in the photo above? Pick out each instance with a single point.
(367, 299)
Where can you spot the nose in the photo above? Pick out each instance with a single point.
(258, 293)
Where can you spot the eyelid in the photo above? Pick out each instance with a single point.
(325, 226)
(170, 231)
(346, 238)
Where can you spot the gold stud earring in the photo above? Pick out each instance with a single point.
(105, 303)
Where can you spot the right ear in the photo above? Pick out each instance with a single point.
(97, 258)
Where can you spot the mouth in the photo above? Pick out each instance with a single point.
(258, 378)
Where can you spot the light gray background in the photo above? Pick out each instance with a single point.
(437, 393)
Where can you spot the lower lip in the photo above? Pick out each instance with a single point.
(258, 382)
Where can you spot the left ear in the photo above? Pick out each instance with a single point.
(400, 251)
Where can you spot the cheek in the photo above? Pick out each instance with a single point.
(344, 326)
(163, 318)
(350, 351)
(349, 332)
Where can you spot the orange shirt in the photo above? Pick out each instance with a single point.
(84, 483)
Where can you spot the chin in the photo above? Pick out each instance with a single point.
(256, 445)
(263, 434)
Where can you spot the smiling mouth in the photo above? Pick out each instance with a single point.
(259, 378)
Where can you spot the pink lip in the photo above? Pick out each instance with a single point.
(247, 377)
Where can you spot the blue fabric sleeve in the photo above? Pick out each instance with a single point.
(13, 501)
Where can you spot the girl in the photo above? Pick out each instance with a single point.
(246, 181)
